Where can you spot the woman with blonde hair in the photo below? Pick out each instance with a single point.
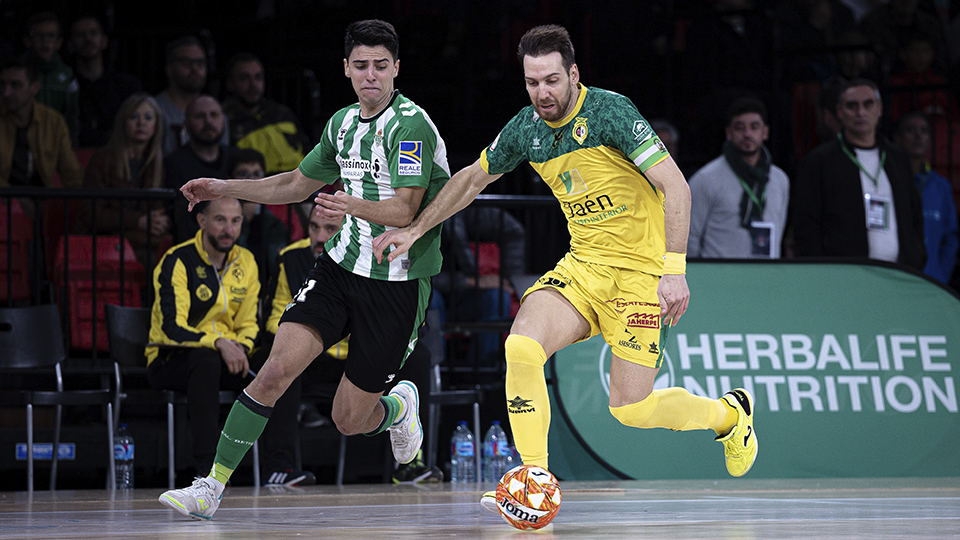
(132, 159)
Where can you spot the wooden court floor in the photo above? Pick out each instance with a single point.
(725, 509)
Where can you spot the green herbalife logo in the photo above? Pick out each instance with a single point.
(572, 182)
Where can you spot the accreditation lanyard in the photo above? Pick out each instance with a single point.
(757, 200)
(875, 178)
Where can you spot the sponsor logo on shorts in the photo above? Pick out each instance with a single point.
(631, 344)
(654, 349)
(410, 160)
(518, 405)
(644, 320)
(390, 378)
(552, 282)
(620, 305)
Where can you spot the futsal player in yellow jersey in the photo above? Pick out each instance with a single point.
(628, 213)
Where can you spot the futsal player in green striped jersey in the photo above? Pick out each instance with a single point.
(393, 162)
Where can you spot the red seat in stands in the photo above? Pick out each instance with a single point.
(118, 275)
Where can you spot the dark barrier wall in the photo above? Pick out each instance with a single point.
(853, 368)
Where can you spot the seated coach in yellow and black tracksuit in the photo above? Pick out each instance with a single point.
(205, 321)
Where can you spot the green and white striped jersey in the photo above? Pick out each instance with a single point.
(399, 147)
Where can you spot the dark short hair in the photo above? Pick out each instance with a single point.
(245, 155)
(43, 17)
(745, 105)
(371, 33)
(30, 68)
(859, 81)
(241, 58)
(915, 114)
(182, 42)
(86, 16)
(546, 39)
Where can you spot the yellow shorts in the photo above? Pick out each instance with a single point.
(619, 303)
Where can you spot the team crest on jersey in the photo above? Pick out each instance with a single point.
(378, 138)
(201, 272)
(204, 293)
(580, 129)
(411, 160)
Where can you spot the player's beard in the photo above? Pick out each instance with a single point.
(564, 104)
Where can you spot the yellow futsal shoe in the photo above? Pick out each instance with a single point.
(740, 445)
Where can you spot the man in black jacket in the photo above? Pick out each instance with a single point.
(854, 196)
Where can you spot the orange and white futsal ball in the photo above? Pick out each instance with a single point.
(528, 497)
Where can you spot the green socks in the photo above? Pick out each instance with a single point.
(243, 427)
(392, 409)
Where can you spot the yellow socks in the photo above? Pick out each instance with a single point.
(528, 403)
(679, 410)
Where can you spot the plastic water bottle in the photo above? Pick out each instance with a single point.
(123, 457)
(462, 465)
(496, 453)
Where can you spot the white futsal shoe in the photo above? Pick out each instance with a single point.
(199, 501)
(406, 434)
(489, 502)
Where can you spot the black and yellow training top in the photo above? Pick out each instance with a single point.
(195, 304)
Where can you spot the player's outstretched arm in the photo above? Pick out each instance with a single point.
(460, 190)
(283, 188)
(673, 291)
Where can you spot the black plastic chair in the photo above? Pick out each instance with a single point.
(31, 342)
(128, 331)
(431, 335)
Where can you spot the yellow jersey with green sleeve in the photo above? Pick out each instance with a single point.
(398, 147)
(594, 160)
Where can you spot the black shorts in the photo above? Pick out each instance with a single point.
(381, 318)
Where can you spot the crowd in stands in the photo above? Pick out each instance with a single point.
(860, 100)
(810, 128)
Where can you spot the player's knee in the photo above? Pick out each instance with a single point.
(636, 414)
(347, 423)
(274, 378)
(523, 350)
